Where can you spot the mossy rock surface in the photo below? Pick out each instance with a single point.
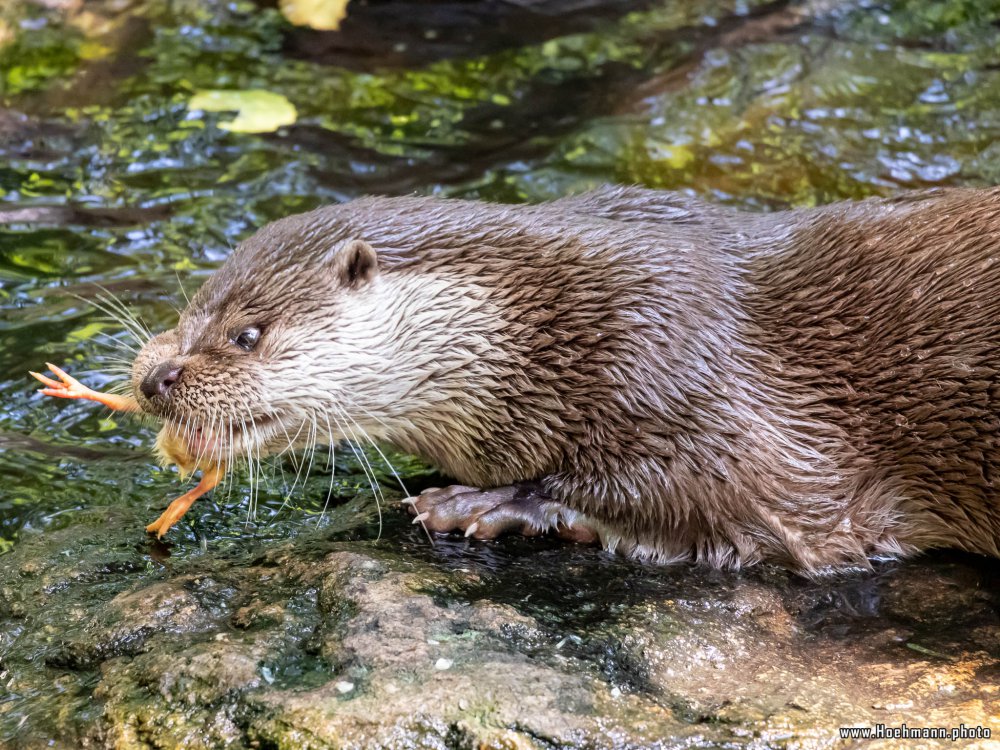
(316, 643)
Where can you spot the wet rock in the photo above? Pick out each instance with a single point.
(314, 643)
(123, 626)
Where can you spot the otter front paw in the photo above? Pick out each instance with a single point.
(486, 514)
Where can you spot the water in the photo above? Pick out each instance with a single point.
(108, 180)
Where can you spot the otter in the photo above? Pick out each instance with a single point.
(683, 381)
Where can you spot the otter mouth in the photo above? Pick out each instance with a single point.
(201, 442)
(226, 441)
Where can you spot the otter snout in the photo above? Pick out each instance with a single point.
(161, 379)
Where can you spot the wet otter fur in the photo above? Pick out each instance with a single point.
(686, 381)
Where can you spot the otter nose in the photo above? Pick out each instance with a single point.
(160, 379)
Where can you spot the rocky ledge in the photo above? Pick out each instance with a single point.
(324, 641)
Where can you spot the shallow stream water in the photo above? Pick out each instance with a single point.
(111, 187)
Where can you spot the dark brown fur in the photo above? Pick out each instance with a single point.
(810, 387)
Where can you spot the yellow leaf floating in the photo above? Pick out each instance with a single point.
(6, 35)
(257, 111)
(324, 15)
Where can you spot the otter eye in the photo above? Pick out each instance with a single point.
(247, 338)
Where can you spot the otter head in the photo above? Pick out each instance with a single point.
(251, 367)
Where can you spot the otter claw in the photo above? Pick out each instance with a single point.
(523, 508)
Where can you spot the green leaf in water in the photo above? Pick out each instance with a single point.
(86, 332)
(257, 111)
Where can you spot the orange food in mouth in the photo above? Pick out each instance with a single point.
(190, 450)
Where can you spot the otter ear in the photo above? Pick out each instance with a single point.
(356, 263)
